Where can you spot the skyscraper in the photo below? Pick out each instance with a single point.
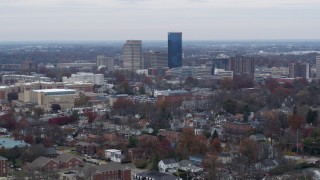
(318, 66)
(174, 49)
(132, 55)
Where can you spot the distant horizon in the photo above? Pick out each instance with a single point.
(165, 40)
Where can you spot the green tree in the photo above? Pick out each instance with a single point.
(312, 117)
(155, 162)
(133, 142)
(230, 106)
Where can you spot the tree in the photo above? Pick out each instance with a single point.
(272, 124)
(81, 100)
(230, 106)
(296, 121)
(75, 115)
(12, 96)
(249, 149)
(91, 116)
(123, 106)
(55, 108)
(133, 142)
(312, 117)
(215, 145)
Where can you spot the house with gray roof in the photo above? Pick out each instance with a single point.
(168, 165)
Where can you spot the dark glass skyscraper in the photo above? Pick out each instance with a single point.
(174, 49)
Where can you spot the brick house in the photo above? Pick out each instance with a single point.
(111, 171)
(86, 148)
(3, 166)
(43, 164)
(68, 161)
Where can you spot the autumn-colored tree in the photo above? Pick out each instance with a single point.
(249, 149)
(296, 121)
(215, 145)
(123, 106)
(29, 139)
(271, 84)
(91, 116)
(191, 143)
(226, 83)
(210, 164)
(272, 124)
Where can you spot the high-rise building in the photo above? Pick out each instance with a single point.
(299, 70)
(241, 65)
(318, 66)
(155, 59)
(105, 61)
(30, 66)
(132, 55)
(174, 49)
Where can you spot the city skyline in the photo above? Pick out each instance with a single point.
(150, 20)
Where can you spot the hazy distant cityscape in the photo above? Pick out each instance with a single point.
(159, 90)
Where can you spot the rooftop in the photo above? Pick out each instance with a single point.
(54, 90)
(8, 143)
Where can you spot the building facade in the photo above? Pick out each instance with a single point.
(29, 66)
(299, 70)
(155, 59)
(132, 55)
(97, 79)
(44, 98)
(107, 62)
(174, 49)
(241, 65)
(3, 166)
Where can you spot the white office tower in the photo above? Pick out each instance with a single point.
(132, 55)
(318, 66)
(107, 62)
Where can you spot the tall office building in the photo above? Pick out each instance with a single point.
(318, 66)
(155, 59)
(29, 66)
(299, 70)
(105, 61)
(241, 65)
(174, 49)
(132, 55)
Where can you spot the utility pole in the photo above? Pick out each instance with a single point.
(297, 142)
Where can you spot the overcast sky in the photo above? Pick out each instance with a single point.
(152, 19)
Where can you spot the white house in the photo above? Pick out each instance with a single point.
(114, 155)
(186, 165)
(168, 166)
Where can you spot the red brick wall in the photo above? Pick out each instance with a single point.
(51, 166)
(3, 168)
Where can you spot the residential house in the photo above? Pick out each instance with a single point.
(68, 161)
(186, 165)
(154, 175)
(196, 159)
(111, 171)
(51, 152)
(266, 165)
(86, 148)
(114, 155)
(168, 165)
(43, 164)
(3, 166)
(224, 158)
